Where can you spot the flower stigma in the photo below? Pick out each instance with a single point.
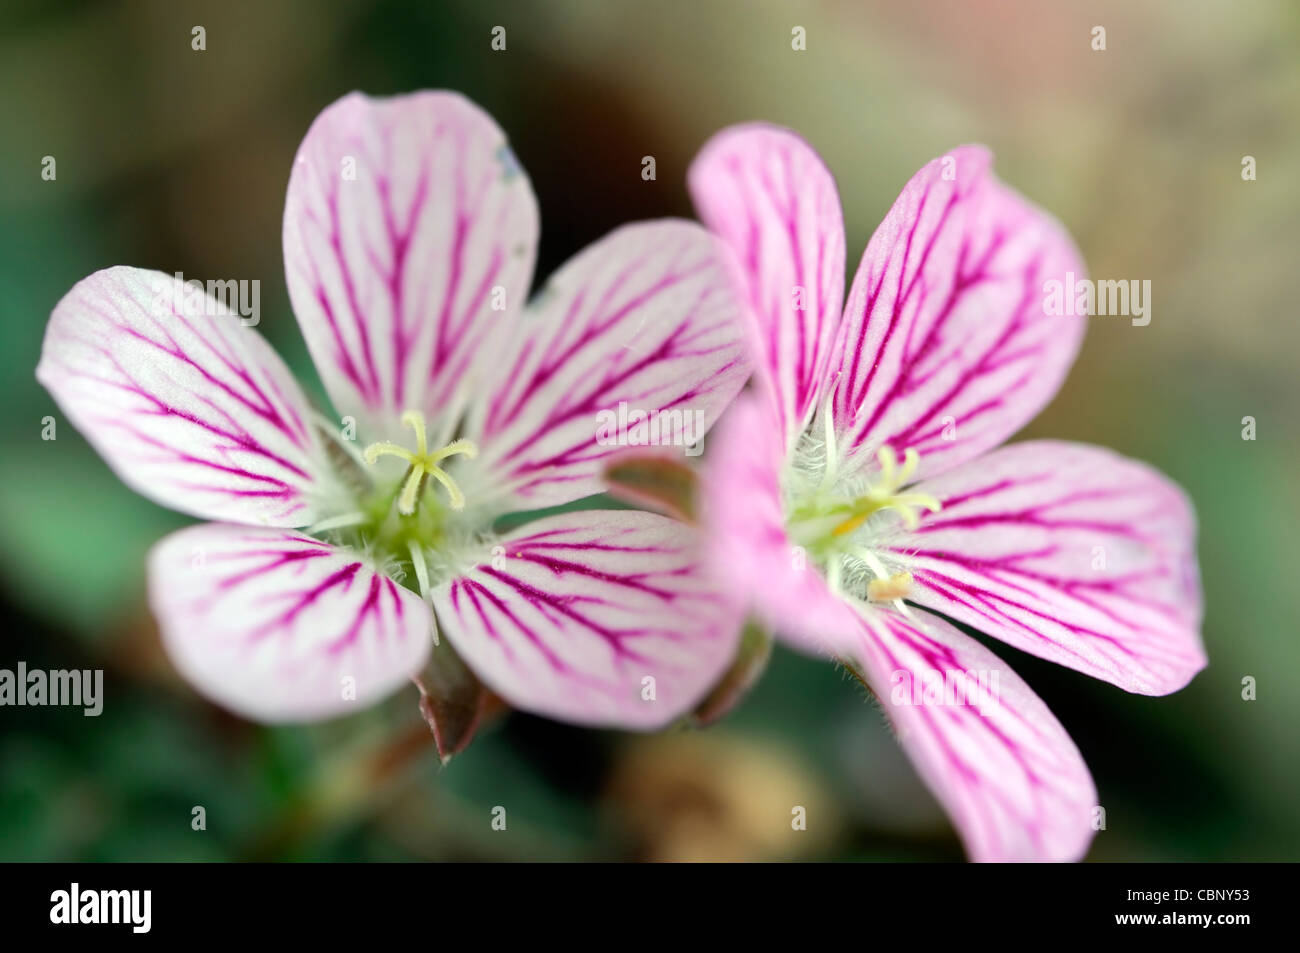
(416, 539)
(423, 464)
(836, 517)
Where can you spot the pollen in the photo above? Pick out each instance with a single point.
(890, 589)
(423, 464)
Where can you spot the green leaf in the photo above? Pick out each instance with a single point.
(750, 663)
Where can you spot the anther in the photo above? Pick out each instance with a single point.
(885, 496)
(889, 589)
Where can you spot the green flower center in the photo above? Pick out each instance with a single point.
(835, 524)
(409, 531)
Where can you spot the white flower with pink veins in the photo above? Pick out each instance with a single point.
(331, 566)
(857, 497)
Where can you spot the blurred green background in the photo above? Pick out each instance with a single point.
(174, 159)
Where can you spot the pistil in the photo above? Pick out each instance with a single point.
(884, 494)
(827, 526)
(422, 464)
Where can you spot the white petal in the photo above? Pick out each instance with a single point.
(1070, 552)
(948, 345)
(407, 225)
(997, 759)
(280, 627)
(189, 406)
(768, 194)
(644, 322)
(594, 617)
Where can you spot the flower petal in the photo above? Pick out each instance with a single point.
(748, 548)
(188, 406)
(997, 759)
(641, 325)
(281, 627)
(772, 199)
(1069, 552)
(946, 345)
(573, 613)
(405, 219)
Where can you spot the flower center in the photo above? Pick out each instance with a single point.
(832, 524)
(423, 464)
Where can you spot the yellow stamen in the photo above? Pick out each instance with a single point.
(887, 590)
(422, 464)
(826, 526)
(849, 525)
(885, 496)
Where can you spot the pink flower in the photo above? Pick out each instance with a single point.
(409, 239)
(857, 493)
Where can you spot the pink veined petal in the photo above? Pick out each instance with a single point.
(1069, 552)
(280, 627)
(768, 194)
(947, 345)
(188, 406)
(575, 614)
(996, 758)
(644, 326)
(747, 546)
(407, 228)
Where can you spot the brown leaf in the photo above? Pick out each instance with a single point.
(452, 700)
(655, 481)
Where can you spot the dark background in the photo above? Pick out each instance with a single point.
(174, 159)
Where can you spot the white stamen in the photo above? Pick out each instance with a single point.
(832, 458)
(873, 562)
(833, 570)
(422, 579)
(336, 522)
